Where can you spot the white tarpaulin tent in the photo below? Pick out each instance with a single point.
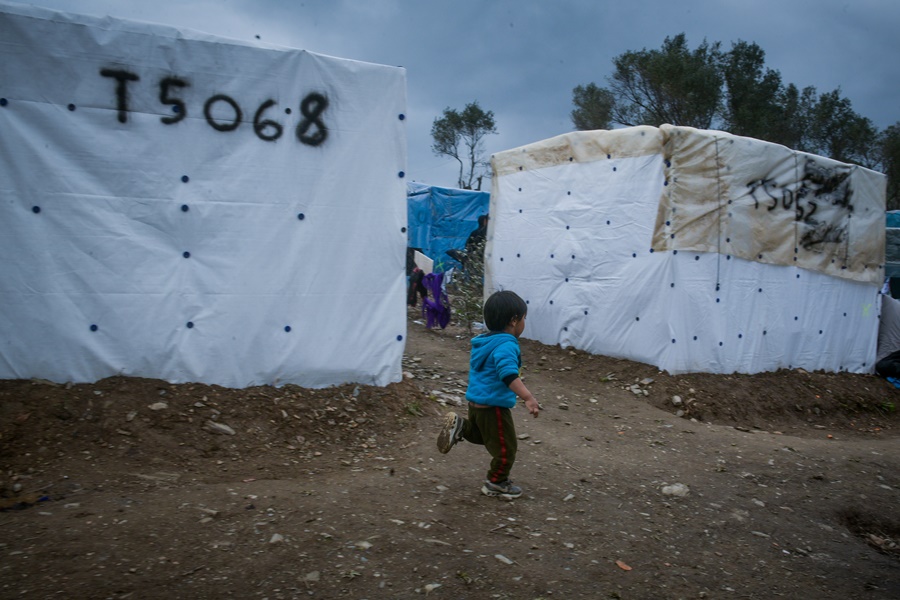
(691, 250)
(183, 207)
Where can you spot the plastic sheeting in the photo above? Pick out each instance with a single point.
(892, 218)
(183, 207)
(643, 244)
(892, 252)
(889, 328)
(442, 219)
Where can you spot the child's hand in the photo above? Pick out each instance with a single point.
(533, 407)
(522, 392)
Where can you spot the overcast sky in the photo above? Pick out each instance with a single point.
(521, 58)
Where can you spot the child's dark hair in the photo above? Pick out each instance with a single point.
(501, 308)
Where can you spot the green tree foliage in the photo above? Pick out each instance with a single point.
(593, 107)
(466, 291)
(752, 93)
(460, 135)
(835, 130)
(671, 85)
(736, 92)
(790, 127)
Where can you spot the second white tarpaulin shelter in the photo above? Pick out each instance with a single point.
(695, 251)
(184, 207)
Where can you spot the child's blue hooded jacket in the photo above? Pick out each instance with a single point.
(494, 363)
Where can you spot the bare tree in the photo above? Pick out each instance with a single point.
(460, 135)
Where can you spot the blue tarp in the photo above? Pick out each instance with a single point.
(441, 219)
(893, 218)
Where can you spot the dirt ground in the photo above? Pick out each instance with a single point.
(774, 485)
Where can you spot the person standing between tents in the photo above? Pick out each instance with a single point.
(494, 384)
(476, 239)
(472, 255)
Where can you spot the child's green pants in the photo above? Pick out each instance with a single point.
(493, 428)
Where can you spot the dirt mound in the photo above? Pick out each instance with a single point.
(794, 401)
(135, 420)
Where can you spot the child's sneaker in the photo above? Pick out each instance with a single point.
(450, 433)
(504, 489)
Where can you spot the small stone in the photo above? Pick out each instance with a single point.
(312, 576)
(158, 406)
(276, 538)
(563, 406)
(220, 428)
(503, 559)
(434, 541)
(523, 436)
(569, 497)
(676, 401)
(678, 490)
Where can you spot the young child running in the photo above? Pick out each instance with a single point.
(494, 384)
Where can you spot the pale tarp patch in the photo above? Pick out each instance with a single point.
(578, 147)
(763, 202)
